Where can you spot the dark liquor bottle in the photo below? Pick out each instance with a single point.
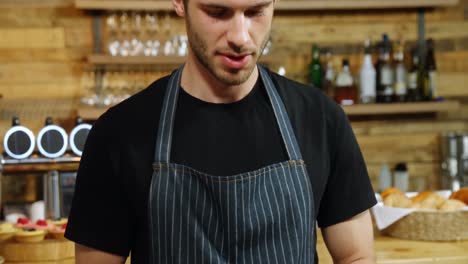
(315, 68)
(345, 90)
(385, 90)
(414, 82)
(430, 73)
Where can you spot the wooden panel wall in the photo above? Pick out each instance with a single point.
(43, 49)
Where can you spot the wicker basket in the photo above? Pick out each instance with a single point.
(431, 225)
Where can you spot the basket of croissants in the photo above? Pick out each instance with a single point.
(433, 217)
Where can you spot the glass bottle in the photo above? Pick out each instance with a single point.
(413, 82)
(400, 74)
(430, 73)
(345, 91)
(315, 68)
(328, 80)
(385, 90)
(367, 77)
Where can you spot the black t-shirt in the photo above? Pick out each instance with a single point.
(109, 210)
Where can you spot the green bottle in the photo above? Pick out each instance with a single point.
(315, 68)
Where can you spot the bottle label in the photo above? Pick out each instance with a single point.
(368, 85)
(413, 80)
(386, 77)
(400, 88)
(432, 83)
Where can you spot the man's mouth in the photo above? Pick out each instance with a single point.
(235, 61)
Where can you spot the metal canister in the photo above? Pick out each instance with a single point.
(463, 160)
(450, 153)
(52, 195)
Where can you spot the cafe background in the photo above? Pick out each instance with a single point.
(46, 63)
(54, 58)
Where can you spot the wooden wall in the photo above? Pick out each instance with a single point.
(43, 48)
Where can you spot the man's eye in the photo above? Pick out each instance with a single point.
(253, 13)
(216, 13)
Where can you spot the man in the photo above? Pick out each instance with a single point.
(223, 161)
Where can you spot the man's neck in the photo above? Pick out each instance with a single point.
(200, 83)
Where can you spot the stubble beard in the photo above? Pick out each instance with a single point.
(234, 77)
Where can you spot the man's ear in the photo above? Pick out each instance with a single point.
(179, 7)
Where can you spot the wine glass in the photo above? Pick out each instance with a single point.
(151, 42)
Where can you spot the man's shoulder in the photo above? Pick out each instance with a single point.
(146, 102)
(304, 97)
(136, 113)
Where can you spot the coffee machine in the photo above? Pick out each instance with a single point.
(40, 168)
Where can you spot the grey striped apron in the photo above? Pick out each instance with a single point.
(261, 216)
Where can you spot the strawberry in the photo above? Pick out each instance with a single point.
(23, 220)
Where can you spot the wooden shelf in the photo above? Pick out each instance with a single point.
(90, 113)
(101, 59)
(401, 108)
(284, 5)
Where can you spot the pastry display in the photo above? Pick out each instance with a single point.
(461, 195)
(43, 225)
(393, 197)
(390, 190)
(30, 235)
(24, 222)
(59, 231)
(7, 231)
(60, 222)
(397, 200)
(451, 205)
(26, 231)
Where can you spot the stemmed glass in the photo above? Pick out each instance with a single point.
(125, 45)
(113, 32)
(136, 33)
(151, 42)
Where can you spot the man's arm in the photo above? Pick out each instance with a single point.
(351, 241)
(86, 255)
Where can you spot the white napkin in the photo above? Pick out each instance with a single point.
(385, 216)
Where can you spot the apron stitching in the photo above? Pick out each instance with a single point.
(275, 110)
(258, 219)
(266, 220)
(173, 205)
(241, 178)
(174, 106)
(164, 114)
(293, 216)
(202, 219)
(311, 201)
(291, 204)
(180, 224)
(272, 214)
(279, 214)
(195, 224)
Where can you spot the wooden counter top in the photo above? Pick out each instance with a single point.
(391, 250)
(388, 251)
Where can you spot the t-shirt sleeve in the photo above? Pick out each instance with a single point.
(99, 216)
(348, 191)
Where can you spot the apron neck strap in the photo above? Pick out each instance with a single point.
(281, 115)
(166, 122)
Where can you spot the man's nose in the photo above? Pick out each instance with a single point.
(238, 31)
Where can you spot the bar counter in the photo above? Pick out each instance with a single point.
(391, 250)
(388, 251)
